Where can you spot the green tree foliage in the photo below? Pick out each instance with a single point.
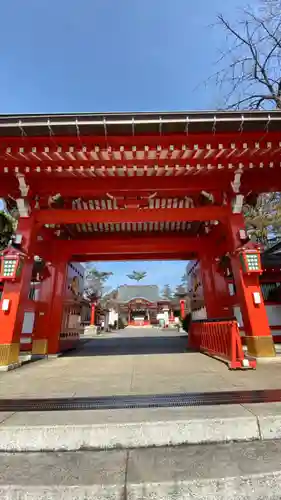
(94, 286)
(137, 275)
(180, 291)
(184, 280)
(109, 299)
(7, 228)
(167, 292)
(263, 219)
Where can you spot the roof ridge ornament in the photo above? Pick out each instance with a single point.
(23, 133)
(49, 127)
(214, 126)
(267, 123)
(241, 128)
(105, 128)
(187, 125)
(77, 129)
(160, 125)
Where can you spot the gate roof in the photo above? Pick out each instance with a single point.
(138, 161)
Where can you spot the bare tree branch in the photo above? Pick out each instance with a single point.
(249, 70)
(249, 77)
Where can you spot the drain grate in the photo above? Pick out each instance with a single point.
(144, 401)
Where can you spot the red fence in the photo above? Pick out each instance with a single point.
(220, 339)
(139, 322)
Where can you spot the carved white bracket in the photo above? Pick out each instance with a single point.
(209, 196)
(23, 207)
(237, 181)
(237, 205)
(23, 187)
(22, 203)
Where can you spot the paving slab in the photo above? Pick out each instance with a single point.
(269, 419)
(55, 431)
(158, 365)
(125, 363)
(5, 415)
(217, 472)
(59, 476)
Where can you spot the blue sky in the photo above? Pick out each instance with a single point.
(158, 272)
(111, 55)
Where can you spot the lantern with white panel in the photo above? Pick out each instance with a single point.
(250, 261)
(251, 265)
(11, 266)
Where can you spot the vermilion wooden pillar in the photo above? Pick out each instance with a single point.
(57, 305)
(216, 292)
(257, 332)
(41, 330)
(17, 293)
(182, 309)
(93, 310)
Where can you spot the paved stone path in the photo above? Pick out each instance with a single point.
(132, 361)
(218, 471)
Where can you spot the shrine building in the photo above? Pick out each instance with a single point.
(139, 305)
(133, 186)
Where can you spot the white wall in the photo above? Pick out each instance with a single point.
(199, 314)
(27, 327)
(112, 316)
(273, 313)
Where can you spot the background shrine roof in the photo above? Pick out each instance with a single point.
(103, 124)
(126, 293)
(271, 257)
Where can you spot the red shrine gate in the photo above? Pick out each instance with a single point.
(135, 186)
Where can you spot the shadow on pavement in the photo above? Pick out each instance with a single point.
(128, 345)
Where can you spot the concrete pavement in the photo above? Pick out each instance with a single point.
(123, 429)
(215, 452)
(144, 361)
(148, 361)
(93, 430)
(217, 472)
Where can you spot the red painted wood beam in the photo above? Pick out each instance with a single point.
(8, 184)
(141, 140)
(214, 181)
(76, 163)
(95, 186)
(108, 240)
(131, 215)
(93, 249)
(130, 237)
(134, 256)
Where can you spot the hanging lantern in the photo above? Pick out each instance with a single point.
(11, 265)
(250, 261)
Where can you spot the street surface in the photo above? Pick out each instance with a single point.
(132, 361)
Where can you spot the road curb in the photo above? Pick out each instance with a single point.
(220, 471)
(127, 435)
(138, 428)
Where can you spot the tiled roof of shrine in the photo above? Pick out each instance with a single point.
(126, 293)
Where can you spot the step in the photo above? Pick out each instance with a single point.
(138, 428)
(217, 471)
